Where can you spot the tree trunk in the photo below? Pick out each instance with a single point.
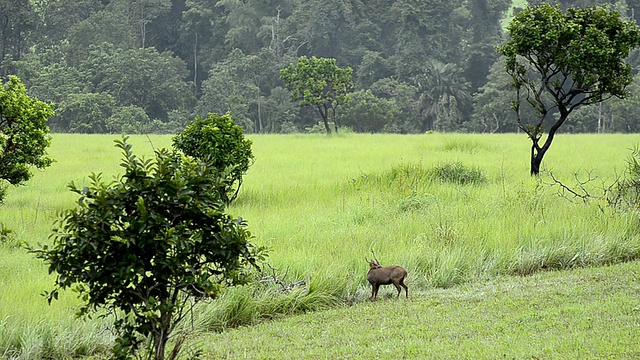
(536, 160)
(324, 114)
(537, 152)
(259, 112)
(195, 64)
(335, 121)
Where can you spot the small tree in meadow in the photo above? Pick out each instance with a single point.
(148, 246)
(219, 141)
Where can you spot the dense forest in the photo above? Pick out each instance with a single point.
(140, 66)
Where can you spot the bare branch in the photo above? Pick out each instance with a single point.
(581, 190)
(286, 288)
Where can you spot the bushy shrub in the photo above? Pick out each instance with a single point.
(219, 141)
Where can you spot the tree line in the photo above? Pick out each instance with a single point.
(138, 66)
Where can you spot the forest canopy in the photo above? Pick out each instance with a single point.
(150, 66)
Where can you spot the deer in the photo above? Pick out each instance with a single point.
(387, 275)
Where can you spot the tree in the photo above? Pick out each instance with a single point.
(443, 96)
(408, 119)
(236, 84)
(85, 113)
(424, 31)
(563, 61)
(202, 25)
(24, 134)
(219, 141)
(143, 77)
(58, 16)
(484, 26)
(319, 82)
(369, 113)
(148, 246)
(17, 22)
(127, 119)
(492, 103)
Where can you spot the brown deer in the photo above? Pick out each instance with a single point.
(387, 275)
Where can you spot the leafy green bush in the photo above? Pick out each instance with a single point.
(221, 142)
(148, 246)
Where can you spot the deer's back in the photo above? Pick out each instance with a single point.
(386, 275)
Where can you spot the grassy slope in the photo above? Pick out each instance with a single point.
(587, 314)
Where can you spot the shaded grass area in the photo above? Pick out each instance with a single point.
(589, 313)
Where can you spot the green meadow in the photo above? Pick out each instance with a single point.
(458, 211)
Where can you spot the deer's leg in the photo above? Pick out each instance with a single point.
(375, 291)
(398, 288)
(406, 289)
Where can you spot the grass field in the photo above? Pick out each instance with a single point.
(321, 204)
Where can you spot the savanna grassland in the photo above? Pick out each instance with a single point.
(459, 212)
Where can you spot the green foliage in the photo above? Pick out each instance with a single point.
(236, 84)
(151, 80)
(86, 113)
(19, 20)
(492, 103)
(409, 119)
(319, 82)
(127, 119)
(225, 55)
(368, 113)
(220, 142)
(24, 134)
(148, 245)
(589, 44)
(443, 96)
(565, 60)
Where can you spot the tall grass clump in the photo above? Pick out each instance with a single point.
(458, 173)
(471, 146)
(409, 177)
(250, 304)
(68, 338)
